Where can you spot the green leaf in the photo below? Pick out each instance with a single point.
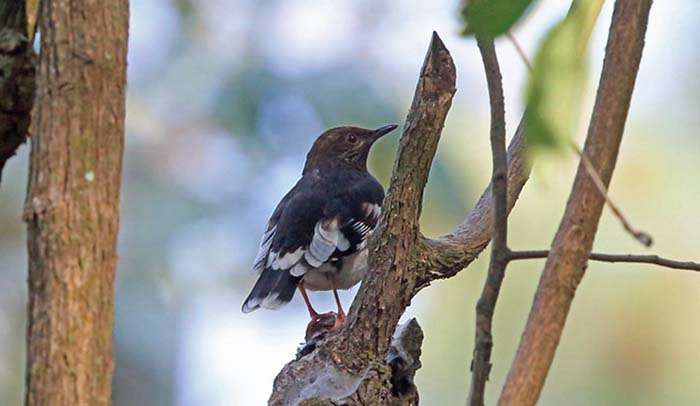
(491, 18)
(556, 83)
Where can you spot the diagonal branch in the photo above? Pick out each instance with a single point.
(572, 244)
(485, 307)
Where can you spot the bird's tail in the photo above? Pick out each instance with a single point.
(273, 289)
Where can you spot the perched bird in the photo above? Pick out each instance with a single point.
(317, 236)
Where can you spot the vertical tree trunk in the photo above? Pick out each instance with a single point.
(72, 203)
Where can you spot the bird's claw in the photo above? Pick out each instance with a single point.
(324, 323)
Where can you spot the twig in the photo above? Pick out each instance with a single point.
(640, 236)
(485, 307)
(629, 258)
(520, 50)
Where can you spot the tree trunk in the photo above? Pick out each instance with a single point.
(72, 203)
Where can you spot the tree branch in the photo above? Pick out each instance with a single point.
(483, 340)
(572, 245)
(519, 50)
(629, 258)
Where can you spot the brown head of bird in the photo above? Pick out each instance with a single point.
(348, 146)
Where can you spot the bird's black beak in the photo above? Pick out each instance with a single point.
(381, 131)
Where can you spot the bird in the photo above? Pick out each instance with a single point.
(316, 238)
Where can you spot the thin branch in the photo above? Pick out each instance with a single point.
(640, 236)
(485, 308)
(628, 258)
(520, 50)
(565, 266)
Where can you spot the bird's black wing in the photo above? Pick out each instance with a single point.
(317, 221)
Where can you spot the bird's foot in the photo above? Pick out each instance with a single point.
(339, 321)
(324, 323)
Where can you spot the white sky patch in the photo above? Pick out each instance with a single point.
(228, 358)
(308, 35)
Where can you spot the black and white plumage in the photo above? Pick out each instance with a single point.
(318, 233)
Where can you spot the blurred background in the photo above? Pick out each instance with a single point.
(224, 100)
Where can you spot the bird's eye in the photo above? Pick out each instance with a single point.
(352, 138)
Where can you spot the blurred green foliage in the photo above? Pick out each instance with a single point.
(555, 88)
(491, 18)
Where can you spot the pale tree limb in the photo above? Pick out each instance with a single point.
(485, 307)
(628, 258)
(572, 244)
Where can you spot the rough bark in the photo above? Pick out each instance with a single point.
(17, 62)
(390, 285)
(572, 244)
(72, 203)
(353, 362)
(316, 376)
